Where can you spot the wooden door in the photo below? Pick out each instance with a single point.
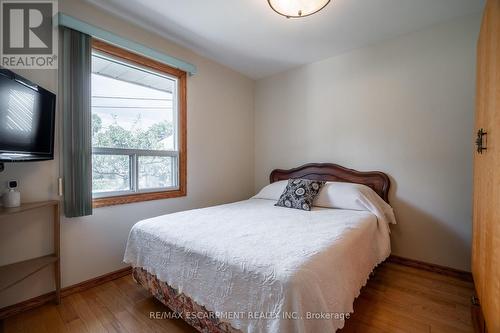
(486, 219)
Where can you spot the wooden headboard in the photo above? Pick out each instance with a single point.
(376, 180)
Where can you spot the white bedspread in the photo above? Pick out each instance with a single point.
(251, 257)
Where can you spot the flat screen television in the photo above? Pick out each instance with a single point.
(27, 116)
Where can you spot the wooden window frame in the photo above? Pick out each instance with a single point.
(120, 53)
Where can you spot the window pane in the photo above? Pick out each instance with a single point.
(156, 172)
(134, 117)
(110, 173)
(132, 107)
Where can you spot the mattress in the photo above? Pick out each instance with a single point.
(262, 268)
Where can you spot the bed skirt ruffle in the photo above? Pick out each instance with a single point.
(194, 314)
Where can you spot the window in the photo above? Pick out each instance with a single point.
(138, 128)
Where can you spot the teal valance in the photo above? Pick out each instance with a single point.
(107, 36)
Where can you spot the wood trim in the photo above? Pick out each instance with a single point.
(456, 273)
(376, 180)
(85, 285)
(182, 117)
(29, 304)
(134, 57)
(139, 197)
(52, 296)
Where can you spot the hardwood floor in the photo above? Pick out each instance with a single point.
(405, 299)
(396, 299)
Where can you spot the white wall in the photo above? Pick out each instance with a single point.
(405, 107)
(220, 169)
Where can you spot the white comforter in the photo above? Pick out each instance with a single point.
(251, 259)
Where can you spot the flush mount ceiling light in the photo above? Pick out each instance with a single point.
(297, 8)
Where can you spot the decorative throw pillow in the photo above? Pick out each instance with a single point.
(300, 193)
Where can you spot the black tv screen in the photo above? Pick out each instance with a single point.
(27, 115)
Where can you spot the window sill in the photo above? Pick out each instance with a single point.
(137, 197)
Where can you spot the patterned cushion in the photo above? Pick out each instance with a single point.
(300, 193)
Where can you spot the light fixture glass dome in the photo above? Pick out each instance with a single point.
(297, 8)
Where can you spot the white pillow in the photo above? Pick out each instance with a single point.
(339, 195)
(354, 197)
(272, 191)
(332, 194)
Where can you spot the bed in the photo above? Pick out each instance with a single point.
(252, 267)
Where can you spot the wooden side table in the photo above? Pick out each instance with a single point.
(12, 274)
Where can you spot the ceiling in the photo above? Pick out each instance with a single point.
(248, 36)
